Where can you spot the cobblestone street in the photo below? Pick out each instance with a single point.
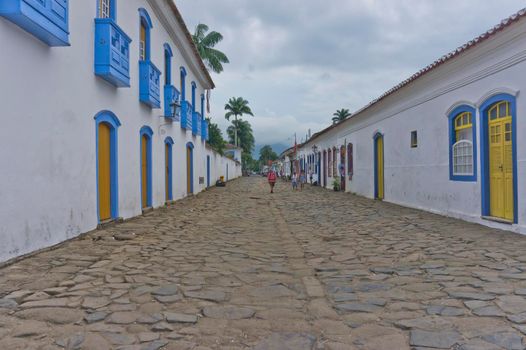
(239, 268)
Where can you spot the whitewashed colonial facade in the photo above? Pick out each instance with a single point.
(79, 71)
(449, 140)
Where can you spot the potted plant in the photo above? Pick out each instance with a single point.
(336, 184)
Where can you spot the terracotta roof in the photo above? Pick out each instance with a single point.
(447, 57)
(180, 19)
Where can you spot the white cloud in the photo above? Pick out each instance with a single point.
(298, 61)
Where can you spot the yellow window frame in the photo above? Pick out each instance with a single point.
(461, 125)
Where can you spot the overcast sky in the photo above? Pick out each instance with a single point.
(297, 61)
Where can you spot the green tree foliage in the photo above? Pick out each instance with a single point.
(216, 140)
(205, 43)
(266, 154)
(237, 107)
(245, 137)
(340, 115)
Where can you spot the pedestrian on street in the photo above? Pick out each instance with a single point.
(294, 181)
(303, 180)
(271, 179)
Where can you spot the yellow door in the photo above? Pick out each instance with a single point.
(104, 175)
(380, 167)
(167, 171)
(188, 170)
(500, 161)
(144, 171)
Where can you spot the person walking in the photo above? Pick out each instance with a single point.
(303, 180)
(271, 179)
(294, 181)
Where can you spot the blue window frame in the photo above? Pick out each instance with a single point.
(112, 46)
(203, 105)
(207, 171)
(183, 84)
(110, 119)
(193, 95)
(462, 121)
(47, 20)
(149, 74)
(204, 129)
(171, 94)
(484, 150)
(144, 34)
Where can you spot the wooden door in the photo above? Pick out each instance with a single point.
(189, 170)
(104, 169)
(501, 161)
(380, 167)
(144, 171)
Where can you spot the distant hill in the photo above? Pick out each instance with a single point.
(277, 147)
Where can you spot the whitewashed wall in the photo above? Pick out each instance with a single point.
(419, 177)
(49, 97)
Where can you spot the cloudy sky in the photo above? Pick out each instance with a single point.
(297, 61)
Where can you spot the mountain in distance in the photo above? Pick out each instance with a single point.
(277, 147)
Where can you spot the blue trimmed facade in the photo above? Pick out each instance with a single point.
(110, 119)
(452, 140)
(146, 130)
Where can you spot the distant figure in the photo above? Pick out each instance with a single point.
(271, 179)
(303, 180)
(294, 181)
(311, 177)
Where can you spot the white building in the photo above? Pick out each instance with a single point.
(450, 139)
(90, 135)
(233, 151)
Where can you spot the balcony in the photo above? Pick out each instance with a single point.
(45, 19)
(112, 52)
(204, 129)
(171, 95)
(196, 123)
(186, 115)
(149, 84)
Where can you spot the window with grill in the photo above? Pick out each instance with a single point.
(463, 146)
(463, 158)
(104, 9)
(142, 43)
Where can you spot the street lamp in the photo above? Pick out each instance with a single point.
(176, 107)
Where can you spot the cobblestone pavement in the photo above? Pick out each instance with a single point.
(238, 268)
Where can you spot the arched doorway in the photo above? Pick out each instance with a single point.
(325, 168)
(499, 157)
(106, 125)
(189, 168)
(168, 168)
(342, 168)
(146, 134)
(378, 166)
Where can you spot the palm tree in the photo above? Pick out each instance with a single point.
(205, 43)
(237, 106)
(340, 115)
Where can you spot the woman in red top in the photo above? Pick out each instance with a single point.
(271, 179)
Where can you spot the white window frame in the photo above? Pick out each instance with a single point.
(465, 146)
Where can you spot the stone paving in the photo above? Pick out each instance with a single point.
(239, 268)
